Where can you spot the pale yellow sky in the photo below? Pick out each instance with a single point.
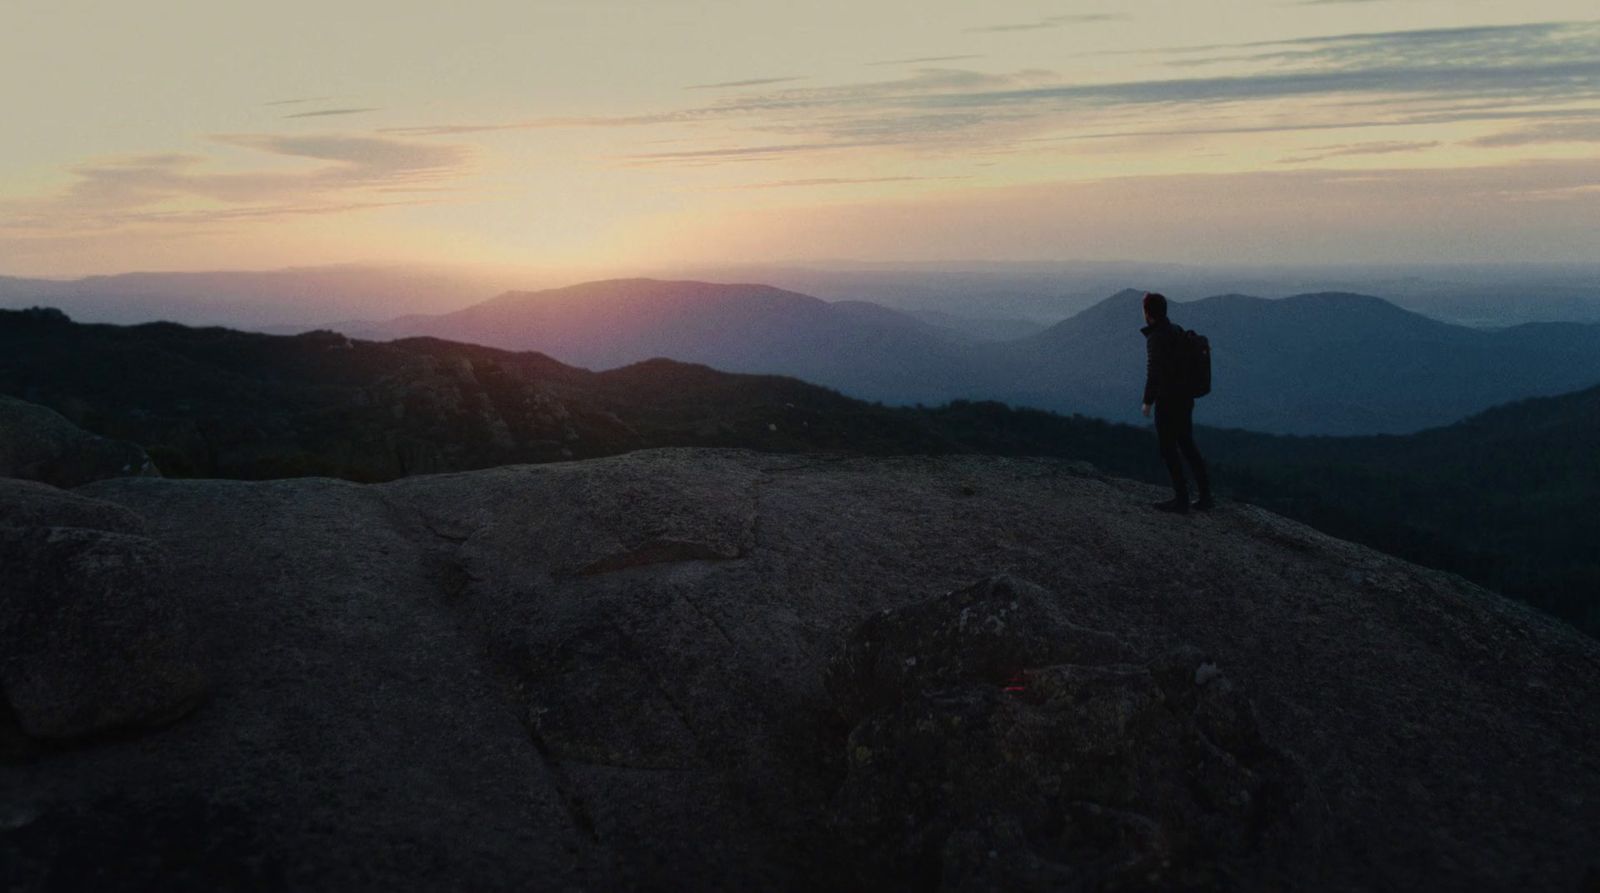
(619, 135)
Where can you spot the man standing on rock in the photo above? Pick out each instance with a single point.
(1166, 387)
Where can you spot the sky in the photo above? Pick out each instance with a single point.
(620, 135)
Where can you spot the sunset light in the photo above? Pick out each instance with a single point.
(626, 136)
(909, 446)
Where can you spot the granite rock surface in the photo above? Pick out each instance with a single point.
(702, 669)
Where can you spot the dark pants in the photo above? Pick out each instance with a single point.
(1175, 432)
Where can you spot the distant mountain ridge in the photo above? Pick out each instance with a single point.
(1319, 363)
(1316, 363)
(866, 349)
(1338, 363)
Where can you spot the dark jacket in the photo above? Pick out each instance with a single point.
(1163, 376)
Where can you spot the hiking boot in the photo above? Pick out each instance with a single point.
(1174, 505)
(1205, 503)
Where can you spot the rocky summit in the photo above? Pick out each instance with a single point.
(707, 669)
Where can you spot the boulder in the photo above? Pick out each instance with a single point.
(92, 637)
(33, 504)
(38, 443)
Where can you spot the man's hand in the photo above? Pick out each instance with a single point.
(1145, 409)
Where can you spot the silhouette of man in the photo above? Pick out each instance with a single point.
(1165, 388)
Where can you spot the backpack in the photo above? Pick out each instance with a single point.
(1194, 359)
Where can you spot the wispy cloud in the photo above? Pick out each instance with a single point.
(771, 103)
(358, 159)
(1580, 131)
(1408, 117)
(1390, 147)
(1433, 76)
(919, 60)
(678, 117)
(830, 181)
(210, 216)
(736, 153)
(1561, 79)
(753, 82)
(1058, 21)
(298, 101)
(328, 112)
(1399, 214)
(1427, 47)
(185, 187)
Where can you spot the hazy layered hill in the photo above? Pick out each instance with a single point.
(1325, 363)
(1469, 294)
(869, 350)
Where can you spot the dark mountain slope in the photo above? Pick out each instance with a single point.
(1509, 498)
(1322, 363)
(223, 403)
(251, 299)
(1506, 498)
